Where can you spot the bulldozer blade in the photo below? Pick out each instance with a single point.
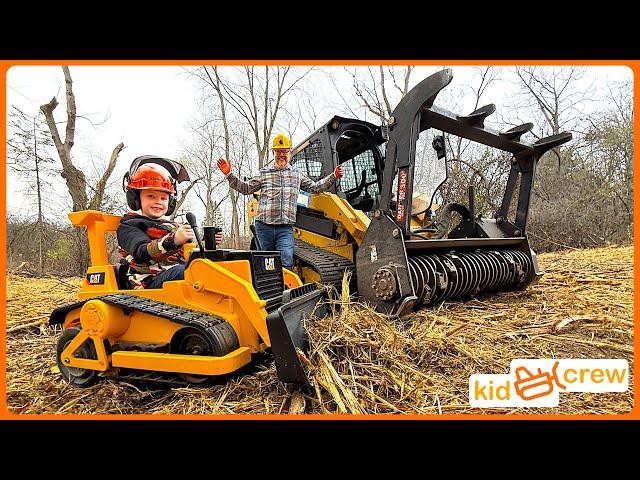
(287, 333)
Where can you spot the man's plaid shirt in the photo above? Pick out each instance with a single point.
(280, 190)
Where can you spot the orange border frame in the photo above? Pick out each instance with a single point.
(6, 415)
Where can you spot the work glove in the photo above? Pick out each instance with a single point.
(224, 166)
(338, 171)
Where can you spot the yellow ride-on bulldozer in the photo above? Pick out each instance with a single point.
(231, 305)
(404, 251)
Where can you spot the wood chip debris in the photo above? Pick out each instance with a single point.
(361, 362)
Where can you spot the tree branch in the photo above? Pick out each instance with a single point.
(96, 201)
(71, 108)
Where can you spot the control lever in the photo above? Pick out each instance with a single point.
(191, 218)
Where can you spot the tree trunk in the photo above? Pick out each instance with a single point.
(40, 223)
(76, 181)
(235, 230)
(258, 102)
(74, 177)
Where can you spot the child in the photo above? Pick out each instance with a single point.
(150, 242)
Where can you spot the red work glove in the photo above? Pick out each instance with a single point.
(338, 171)
(224, 166)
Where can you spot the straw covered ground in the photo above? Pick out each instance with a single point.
(360, 361)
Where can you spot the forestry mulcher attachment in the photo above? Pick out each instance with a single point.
(398, 245)
(231, 305)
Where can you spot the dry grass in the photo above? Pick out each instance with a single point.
(360, 361)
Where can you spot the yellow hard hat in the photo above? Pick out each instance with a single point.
(281, 142)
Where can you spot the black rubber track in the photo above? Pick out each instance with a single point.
(330, 266)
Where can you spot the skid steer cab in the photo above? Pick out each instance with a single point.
(231, 305)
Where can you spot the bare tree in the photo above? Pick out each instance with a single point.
(307, 112)
(74, 176)
(610, 155)
(218, 85)
(556, 93)
(212, 78)
(203, 151)
(242, 151)
(586, 200)
(76, 182)
(28, 156)
(373, 90)
(256, 95)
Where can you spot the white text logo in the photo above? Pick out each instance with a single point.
(538, 382)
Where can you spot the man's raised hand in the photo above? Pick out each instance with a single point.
(224, 166)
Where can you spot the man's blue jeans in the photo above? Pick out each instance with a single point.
(276, 237)
(174, 273)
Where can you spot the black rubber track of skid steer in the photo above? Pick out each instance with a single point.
(330, 266)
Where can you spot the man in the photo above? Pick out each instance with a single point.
(280, 186)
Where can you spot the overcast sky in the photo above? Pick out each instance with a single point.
(148, 107)
(145, 107)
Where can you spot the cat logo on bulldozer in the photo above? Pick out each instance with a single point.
(95, 278)
(270, 263)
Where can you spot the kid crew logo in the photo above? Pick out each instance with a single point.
(538, 382)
